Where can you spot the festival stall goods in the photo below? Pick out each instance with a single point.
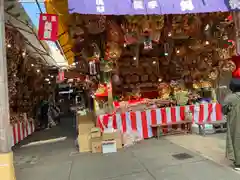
(175, 65)
(173, 62)
(28, 81)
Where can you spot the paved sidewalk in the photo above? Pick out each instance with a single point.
(150, 160)
(210, 146)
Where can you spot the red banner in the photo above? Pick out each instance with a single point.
(236, 72)
(60, 77)
(48, 27)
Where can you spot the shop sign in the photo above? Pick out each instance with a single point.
(100, 6)
(48, 27)
(60, 76)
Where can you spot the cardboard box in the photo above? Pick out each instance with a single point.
(119, 142)
(88, 117)
(84, 142)
(117, 136)
(85, 123)
(96, 144)
(95, 132)
(109, 147)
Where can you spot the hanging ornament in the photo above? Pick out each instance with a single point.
(116, 80)
(208, 31)
(214, 74)
(92, 68)
(147, 43)
(236, 60)
(155, 36)
(229, 66)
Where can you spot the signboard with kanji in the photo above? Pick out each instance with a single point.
(48, 27)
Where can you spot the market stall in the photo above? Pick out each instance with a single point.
(29, 78)
(154, 68)
(176, 62)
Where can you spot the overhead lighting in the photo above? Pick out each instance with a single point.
(134, 58)
(52, 76)
(169, 34)
(47, 79)
(178, 51)
(38, 70)
(9, 45)
(207, 42)
(23, 54)
(32, 65)
(154, 62)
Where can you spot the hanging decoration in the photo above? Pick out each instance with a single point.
(92, 68)
(48, 27)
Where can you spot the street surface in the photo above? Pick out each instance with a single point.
(171, 158)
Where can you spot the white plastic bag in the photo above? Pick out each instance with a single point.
(131, 138)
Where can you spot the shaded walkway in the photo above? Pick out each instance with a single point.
(47, 145)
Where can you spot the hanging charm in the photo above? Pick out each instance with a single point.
(147, 43)
(92, 68)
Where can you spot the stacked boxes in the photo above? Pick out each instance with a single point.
(85, 124)
(90, 138)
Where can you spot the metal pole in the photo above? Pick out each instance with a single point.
(5, 133)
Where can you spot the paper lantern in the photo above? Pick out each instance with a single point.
(116, 79)
(236, 60)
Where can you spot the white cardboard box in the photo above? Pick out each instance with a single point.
(109, 147)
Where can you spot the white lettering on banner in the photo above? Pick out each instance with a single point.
(100, 6)
(138, 4)
(234, 4)
(47, 30)
(44, 18)
(54, 19)
(152, 4)
(186, 5)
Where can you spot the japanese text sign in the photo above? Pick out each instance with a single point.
(60, 77)
(48, 27)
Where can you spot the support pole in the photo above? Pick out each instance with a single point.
(6, 156)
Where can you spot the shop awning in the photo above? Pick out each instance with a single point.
(134, 7)
(17, 18)
(60, 8)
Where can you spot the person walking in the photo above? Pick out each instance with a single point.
(231, 108)
(44, 114)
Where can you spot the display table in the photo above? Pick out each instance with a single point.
(21, 130)
(141, 121)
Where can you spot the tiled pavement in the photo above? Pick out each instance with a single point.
(150, 160)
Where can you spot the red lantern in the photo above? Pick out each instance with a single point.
(236, 73)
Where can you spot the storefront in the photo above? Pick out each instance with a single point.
(30, 73)
(162, 60)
